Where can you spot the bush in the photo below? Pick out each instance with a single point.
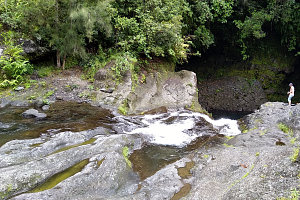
(14, 66)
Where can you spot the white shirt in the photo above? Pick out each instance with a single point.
(292, 90)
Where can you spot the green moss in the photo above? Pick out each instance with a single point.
(48, 94)
(243, 127)
(99, 162)
(57, 178)
(123, 108)
(227, 145)
(196, 107)
(205, 156)
(90, 141)
(37, 144)
(125, 152)
(293, 140)
(237, 181)
(229, 138)
(285, 129)
(295, 155)
(190, 85)
(295, 194)
(32, 97)
(262, 132)
(6, 193)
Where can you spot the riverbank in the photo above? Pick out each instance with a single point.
(65, 85)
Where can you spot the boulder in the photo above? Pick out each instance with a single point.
(33, 113)
(170, 90)
(231, 94)
(160, 89)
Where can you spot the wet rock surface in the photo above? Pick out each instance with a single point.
(247, 166)
(251, 165)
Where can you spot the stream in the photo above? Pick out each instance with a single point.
(167, 137)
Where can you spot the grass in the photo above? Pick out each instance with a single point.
(45, 71)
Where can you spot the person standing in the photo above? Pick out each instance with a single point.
(291, 93)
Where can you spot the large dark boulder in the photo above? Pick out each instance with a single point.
(231, 94)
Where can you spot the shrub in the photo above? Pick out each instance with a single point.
(14, 66)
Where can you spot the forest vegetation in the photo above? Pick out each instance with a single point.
(89, 33)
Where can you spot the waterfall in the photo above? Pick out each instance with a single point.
(180, 128)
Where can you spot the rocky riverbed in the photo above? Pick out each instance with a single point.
(111, 162)
(260, 163)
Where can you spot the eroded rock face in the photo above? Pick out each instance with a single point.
(252, 165)
(231, 94)
(25, 164)
(172, 90)
(168, 89)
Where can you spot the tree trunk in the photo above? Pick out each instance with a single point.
(64, 63)
(58, 64)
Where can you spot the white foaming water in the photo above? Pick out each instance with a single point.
(226, 127)
(177, 133)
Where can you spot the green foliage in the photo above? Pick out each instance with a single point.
(123, 64)
(222, 9)
(283, 14)
(49, 93)
(81, 31)
(13, 64)
(204, 36)
(123, 108)
(6, 83)
(152, 28)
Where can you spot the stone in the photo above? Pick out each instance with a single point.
(159, 110)
(4, 102)
(46, 107)
(109, 90)
(19, 88)
(231, 94)
(33, 113)
(59, 98)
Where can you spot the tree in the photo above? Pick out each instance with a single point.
(62, 25)
(152, 28)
